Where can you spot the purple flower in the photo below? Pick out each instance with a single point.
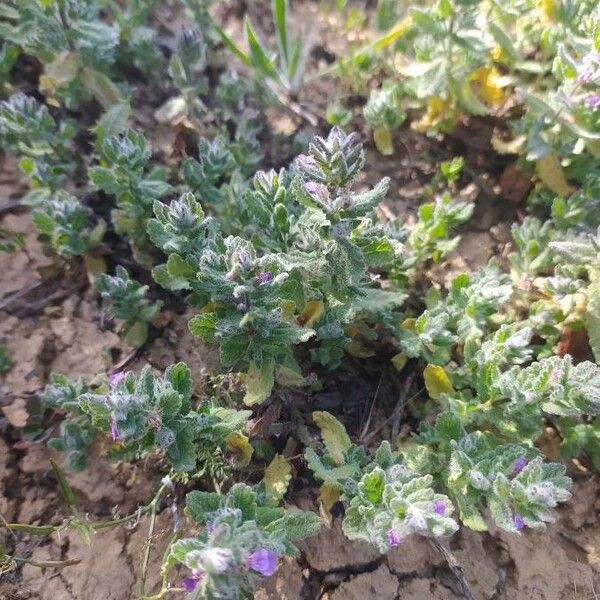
(114, 430)
(191, 581)
(520, 464)
(439, 508)
(263, 561)
(230, 276)
(519, 523)
(393, 538)
(242, 307)
(115, 379)
(592, 101)
(264, 277)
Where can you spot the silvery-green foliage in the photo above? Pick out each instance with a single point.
(39, 28)
(42, 146)
(395, 499)
(76, 433)
(579, 249)
(463, 317)
(533, 255)
(555, 384)
(142, 414)
(479, 470)
(128, 303)
(123, 172)
(429, 336)
(306, 240)
(431, 235)
(64, 225)
(385, 500)
(238, 529)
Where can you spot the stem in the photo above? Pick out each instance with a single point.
(65, 25)
(148, 546)
(163, 593)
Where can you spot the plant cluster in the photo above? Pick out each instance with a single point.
(293, 271)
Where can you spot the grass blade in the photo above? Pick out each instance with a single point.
(279, 12)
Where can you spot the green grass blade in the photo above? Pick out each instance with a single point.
(231, 45)
(259, 57)
(279, 12)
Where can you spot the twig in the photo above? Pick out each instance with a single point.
(65, 25)
(456, 568)
(399, 409)
(387, 421)
(148, 545)
(292, 106)
(368, 422)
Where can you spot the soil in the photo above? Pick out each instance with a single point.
(52, 321)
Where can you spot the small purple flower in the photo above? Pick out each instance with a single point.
(393, 538)
(242, 307)
(230, 276)
(520, 464)
(519, 523)
(114, 430)
(440, 508)
(592, 101)
(191, 581)
(115, 379)
(264, 277)
(263, 561)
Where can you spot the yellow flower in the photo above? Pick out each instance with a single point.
(488, 84)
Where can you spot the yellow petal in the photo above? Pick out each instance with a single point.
(488, 84)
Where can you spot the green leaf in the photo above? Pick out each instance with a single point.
(204, 326)
(200, 505)
(112, 122)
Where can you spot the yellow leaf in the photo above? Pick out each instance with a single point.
(355, 348)
(488, 84)
(508, 147)
(334, 435)
(288, 377)
(277, 477)
(288, 308)
(259, 382)
(101, 87)
(239, 445)
(399, 361)
(397, 31)
(312, 312)
(62, 70)
(383, 140)
(437, 110)
(437, 381)
(546, 8)
(409, 324)
(328, 495)
(551, 173)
